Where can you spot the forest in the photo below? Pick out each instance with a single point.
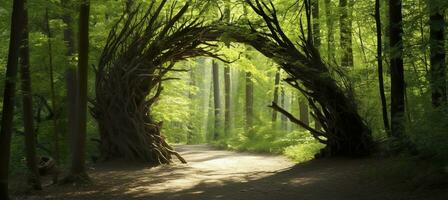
(223, 99)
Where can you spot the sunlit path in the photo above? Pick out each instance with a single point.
(218, 174)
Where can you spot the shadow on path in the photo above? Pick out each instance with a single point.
(215, 174)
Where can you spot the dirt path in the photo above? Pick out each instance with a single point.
(216, 174)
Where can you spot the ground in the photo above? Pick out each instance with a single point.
(217, 174)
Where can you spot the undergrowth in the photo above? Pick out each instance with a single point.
(298, 145)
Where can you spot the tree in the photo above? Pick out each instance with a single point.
(304, 113)
(217, 99)
(345, 25)
(276, 89)
(27, 99)
(17, 27)
(437, 79)
(330, 34)
(53, 97)
(316, 24)
(70, 74)
(380, 65)
(227, 84)
(77, 170)
(249, 101)
(396, 69)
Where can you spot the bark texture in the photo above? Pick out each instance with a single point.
(396, 69)
(438, 79)
(9, 94)
(27, 101)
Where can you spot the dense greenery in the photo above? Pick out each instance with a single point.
(246, 77)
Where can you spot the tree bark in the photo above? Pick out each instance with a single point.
(9, 94)
(345, 24)
(304, 112)
(283, 118)
(70, 74)
(53, 98)
(27, 99)
(77, 170)
(276, 89)
(380, 65)
(396, 69)
(438, 79)
(249, 101)
(330, 33)
(316, 24)
(217, 100)
(228, 98)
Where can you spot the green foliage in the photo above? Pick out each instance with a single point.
(428, 131)
(304, 151)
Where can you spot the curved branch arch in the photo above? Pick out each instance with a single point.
(142, 48)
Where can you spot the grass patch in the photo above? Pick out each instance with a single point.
(303, 152)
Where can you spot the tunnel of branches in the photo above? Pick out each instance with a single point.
(144, 46)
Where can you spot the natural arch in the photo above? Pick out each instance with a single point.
(142, 48)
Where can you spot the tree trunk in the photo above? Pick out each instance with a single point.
(70, 75)
(228, 104)
(249, 101)
(396, 69)
(345, 24)
(217, 100)
(191, 97)
(304, 112)
(276, 88)
(316, 24)
(53, 98)
(283, 118)
(380, 65)
(330, 33)
(77, 170)
(9, 94)
(437, 45)
(27, 99)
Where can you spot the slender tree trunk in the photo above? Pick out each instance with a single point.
(380, 65)
(330, 33)
(217, 99)
(276, 88)
(228, 104)
(396, 69)
(304, 112)
(70, 75)
(283, 105)
(345, 23)
(316, 24)
(191, 96)
(27, 99)
(249, 101)
(227, 84)
(437, 45)
(53, 98)
(77, 170)
(9, 94)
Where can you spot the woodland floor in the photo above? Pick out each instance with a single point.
(216, 174)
